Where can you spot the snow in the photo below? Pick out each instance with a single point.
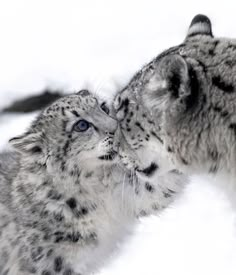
(99, 45)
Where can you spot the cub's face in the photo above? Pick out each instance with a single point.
(74, 132)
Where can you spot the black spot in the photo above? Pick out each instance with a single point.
(219, 83)
(88, 175)
(63, 111)
(149, 187)
(105, 108)
(59, 236)
(54, 195)
(150, 170)
(36, 150)
(72, 203)
(169, 149)
(213, 169)
(49, 253)
(46, 272)
(44, 214)
(140, 126)
(93, 236)
(73, 237)
(37, 254)
(125, 103)
(219, 110)
(63, 167)
(172, 191)
(45, 183)
(166, 195)
(75, 113)
(58, 264)
(211, 52)
(150, 122)
(58, 217)
(65, 147)
(213, 155)
(143, 213)
(156, 136)
(84, 211)
(232, 127)
(184, 161)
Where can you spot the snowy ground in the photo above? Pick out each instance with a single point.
(100, 44)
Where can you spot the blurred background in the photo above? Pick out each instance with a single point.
(48, 48)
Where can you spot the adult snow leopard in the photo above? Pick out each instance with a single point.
(65, 200)
(179, 111)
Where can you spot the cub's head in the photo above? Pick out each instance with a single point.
(180, 106)
(73, 133)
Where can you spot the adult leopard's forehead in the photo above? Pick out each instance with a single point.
(142, 77)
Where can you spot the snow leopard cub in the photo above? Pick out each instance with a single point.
(65, 200)
(190, 93)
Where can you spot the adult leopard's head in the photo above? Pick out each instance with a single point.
(181, 105)
(140, 131)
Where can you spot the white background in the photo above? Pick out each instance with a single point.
(99, 45)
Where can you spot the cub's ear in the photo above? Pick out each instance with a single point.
(28, 143)
(200, 24)
(83, 93)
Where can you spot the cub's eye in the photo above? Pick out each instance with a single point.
(105, 108)
(81, 126)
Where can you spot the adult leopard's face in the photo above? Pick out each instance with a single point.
(141, 143)
(75, 132)
(189, 94)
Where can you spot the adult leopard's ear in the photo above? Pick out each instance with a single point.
(173, 82)
(28, 143)
(200, 25)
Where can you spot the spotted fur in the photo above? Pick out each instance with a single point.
(66, 200)
(187, 98)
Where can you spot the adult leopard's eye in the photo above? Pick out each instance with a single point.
(105, 108)
(81, 126)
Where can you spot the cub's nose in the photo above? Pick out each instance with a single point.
(105, 123)
(111, 125)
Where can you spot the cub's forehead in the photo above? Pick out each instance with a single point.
(82, 101)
